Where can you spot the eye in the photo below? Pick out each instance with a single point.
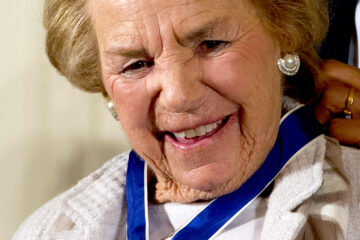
(212, 46)
(137, 68)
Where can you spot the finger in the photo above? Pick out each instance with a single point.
(334, 100)
(347, 131)
(334, 96)
(346, 74)
(322, 113)
(355, 106)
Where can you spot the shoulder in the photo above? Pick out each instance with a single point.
(311, 196)
(351, 159)
(351, 155)
(68, 214)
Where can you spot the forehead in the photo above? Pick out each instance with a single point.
(131, 18)
(131, 9)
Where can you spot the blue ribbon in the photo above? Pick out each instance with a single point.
(296, 130)
(135, 198)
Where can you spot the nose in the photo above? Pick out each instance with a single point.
(182, 89)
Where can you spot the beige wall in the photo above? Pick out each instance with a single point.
(51, 135)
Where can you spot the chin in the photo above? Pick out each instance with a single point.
(216, 164)
(213, 179)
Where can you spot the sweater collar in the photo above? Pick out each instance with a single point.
(300, 180)
(98, 203)
(99, 207)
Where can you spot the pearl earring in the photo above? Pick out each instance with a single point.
(289, 65)
(111, 108)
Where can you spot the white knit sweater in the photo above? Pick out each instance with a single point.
(310, 200)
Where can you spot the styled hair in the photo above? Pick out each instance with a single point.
(297, 25)
(71, 43)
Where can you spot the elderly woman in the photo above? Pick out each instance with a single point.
(198, 87)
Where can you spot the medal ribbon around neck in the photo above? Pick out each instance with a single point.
(297, 129)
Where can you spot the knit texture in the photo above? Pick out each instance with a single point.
(312, 191)
(94, 209)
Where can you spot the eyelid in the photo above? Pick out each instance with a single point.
(132, 61)
(222, 45)
(137, 72)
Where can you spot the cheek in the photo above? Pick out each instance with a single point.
(242, 79)
(251, 80)
(248, 69)
(132, 103)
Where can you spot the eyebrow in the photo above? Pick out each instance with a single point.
(196, 35)
(200, 33)
(126, 52)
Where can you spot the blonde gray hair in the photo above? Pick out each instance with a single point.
(71, 43)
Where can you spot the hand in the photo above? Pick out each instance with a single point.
(337, 79)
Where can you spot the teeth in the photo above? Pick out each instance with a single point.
(180, 135)
(199, 131)
(190, 133)
(208, 128)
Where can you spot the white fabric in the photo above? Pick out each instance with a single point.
(95, 209)
(166, 218)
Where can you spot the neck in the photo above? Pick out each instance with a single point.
(162, 190)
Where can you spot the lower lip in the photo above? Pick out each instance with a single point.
(201, 141)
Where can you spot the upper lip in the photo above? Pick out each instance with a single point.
(189, 126)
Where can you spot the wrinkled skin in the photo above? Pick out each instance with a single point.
(165, 73)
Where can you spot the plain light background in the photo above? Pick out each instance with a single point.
(51, 134)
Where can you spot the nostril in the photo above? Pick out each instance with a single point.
(181, 100)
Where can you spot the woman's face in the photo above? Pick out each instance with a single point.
(196, 87)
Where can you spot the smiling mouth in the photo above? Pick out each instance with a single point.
(194, 135)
